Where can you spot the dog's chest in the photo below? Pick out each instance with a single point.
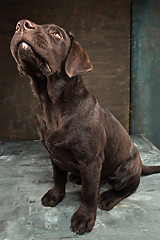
(64, 158)
(61, 146)
(63, 155)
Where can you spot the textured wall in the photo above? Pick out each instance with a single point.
(145, 115)
(101, 27)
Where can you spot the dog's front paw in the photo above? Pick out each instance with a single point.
(82, 221)
(52, 198)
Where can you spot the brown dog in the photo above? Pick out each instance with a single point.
(80, 136)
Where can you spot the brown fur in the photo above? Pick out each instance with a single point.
(81, 137)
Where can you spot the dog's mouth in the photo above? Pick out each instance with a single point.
(31, 61)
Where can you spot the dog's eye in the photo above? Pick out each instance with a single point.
(56, 34)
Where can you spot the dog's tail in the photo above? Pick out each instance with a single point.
(147, 170)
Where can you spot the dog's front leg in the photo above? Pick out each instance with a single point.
(57, 193)
(84, 218)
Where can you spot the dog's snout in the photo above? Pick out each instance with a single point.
(25, 25)
(29, 25)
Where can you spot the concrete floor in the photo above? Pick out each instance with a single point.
(26, 174)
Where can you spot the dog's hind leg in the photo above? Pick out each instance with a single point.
(112, 197)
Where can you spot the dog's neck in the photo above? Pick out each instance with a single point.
(58, 87)
(59, 91)
(64, 90)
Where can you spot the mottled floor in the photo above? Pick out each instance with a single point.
(26, 174)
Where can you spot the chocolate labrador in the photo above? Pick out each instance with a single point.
(81, 137)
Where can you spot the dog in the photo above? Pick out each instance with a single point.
(81, 137)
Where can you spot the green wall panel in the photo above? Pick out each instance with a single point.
(145, 71)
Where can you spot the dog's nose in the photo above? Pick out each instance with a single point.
(25, 25)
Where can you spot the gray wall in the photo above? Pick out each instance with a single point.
(145, 82)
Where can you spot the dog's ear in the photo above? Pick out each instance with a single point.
(77, 61)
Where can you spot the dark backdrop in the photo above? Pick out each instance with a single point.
(102, 27)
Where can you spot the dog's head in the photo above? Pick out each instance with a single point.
(47, 49)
